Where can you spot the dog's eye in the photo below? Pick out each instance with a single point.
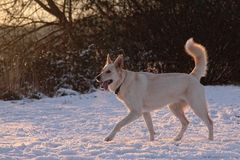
(108, 71)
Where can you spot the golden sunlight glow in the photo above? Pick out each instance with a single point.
(16, 134)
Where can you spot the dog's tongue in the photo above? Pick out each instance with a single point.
(104, 85)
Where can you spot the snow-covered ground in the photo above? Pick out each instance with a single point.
(73, 128)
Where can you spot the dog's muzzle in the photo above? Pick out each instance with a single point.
(103, 84)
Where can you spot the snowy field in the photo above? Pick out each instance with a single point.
(73, 128)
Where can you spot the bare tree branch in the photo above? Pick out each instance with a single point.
(10, 43)
(44, 7)
(70, 11)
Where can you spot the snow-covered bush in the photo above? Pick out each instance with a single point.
(65, 92)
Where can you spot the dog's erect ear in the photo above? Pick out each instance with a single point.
(119, 61)
(109, 61)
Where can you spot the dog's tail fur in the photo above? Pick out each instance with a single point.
(199, 54)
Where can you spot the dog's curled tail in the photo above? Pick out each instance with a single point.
(199, 54)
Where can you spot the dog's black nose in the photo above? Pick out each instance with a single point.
(98, 78)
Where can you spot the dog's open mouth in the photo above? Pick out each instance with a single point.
(105, 84)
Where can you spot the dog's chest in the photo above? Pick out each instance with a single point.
(120, 97)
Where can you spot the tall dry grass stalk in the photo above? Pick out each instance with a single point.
(10, 79)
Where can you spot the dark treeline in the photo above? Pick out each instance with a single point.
(150, 34)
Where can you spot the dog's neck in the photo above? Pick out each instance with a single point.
(115, 87)
(119, 87)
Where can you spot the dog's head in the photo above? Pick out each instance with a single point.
(111, 72)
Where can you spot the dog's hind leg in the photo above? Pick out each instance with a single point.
(148, 119)
(178, 110)
(198, 103)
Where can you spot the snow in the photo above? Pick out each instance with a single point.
(73, 127)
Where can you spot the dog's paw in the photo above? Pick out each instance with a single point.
(210, 138)
(151, 138)
(178, 138)
(109, 138)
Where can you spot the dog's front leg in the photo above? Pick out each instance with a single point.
(128, 119)
(148, 119)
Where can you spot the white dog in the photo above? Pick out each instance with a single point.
(143, 92)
